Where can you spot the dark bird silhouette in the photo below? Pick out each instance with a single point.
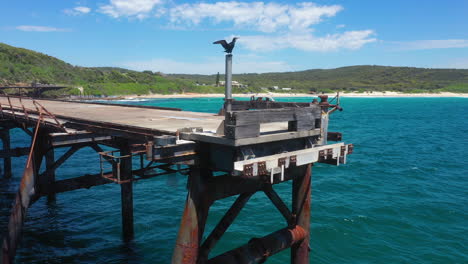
(228, 47)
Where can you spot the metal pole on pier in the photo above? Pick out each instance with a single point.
(126, 191)
(5, 137)
(228, 84)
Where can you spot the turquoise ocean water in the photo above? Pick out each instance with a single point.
(402, 198)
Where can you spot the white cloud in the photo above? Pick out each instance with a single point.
(307, 42)
(460, 63)
(241, 65)
(40, 28)
(340, 26)
(265, 17)
(129, 8)
(283, 25)
(78, 10)
(432, 44)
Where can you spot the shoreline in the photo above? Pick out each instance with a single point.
(279, 95)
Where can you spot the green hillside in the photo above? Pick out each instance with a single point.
(19, 65)
(354, 78)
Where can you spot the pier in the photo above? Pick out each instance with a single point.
(248, 147)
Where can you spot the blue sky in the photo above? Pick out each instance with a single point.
(174, 36)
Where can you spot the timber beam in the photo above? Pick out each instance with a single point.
(246, 124)
(65, 139)
(264, 104)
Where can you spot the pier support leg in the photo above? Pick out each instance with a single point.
(193, 220)
(5, 137)
(50, 160)
(126, 192)
(26, 195)
(301, 193)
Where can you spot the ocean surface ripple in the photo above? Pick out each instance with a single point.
(402, 198)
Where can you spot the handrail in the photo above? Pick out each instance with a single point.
(40, 110)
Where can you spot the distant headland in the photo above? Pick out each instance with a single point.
(19, 66)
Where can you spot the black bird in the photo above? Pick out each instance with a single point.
(228, 47)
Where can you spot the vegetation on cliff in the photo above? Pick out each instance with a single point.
(18, 65)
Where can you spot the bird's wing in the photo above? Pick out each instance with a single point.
(222, 42)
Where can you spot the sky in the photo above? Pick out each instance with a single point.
(173, 36)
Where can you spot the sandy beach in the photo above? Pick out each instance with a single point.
(365, 94)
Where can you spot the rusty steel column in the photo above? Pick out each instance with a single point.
(5, 136)
(193, 220)
(26, 195)
(301, 192)
(126, 191)
(50, 176)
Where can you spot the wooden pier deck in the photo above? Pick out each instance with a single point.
(256, 145)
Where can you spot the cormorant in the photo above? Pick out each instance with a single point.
(227, 46)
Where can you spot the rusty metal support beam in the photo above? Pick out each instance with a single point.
(18, 214)
(194, 218)
(225, 186)
(64, 139)
(50, 175)
(5, 137)
(83, 182)
(14, 152)
(223, 225)
(26, 195)
(98, 149)
(279, 204)
(126, 191)
(62, 159)
(91, 180)
(257, 250)
(301, 195)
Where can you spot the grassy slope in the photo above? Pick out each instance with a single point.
(19, 65)
(360, 78)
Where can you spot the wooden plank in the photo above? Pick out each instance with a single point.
(263, 138)
(271, 115)
(263, 104)
(242, 131)
(302, 124)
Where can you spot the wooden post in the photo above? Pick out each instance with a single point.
(126, 192)
(301, 192)
(5, 136)
(192, 224)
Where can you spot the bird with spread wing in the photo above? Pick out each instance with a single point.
(228, 47)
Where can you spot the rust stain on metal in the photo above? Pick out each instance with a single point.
(248, 170)
(293, 159)
(262, 170)
(321, 153)
(298, 233)
(281, 162)
(350, 148)
(342, 151)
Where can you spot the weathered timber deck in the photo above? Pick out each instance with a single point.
(153, 121)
